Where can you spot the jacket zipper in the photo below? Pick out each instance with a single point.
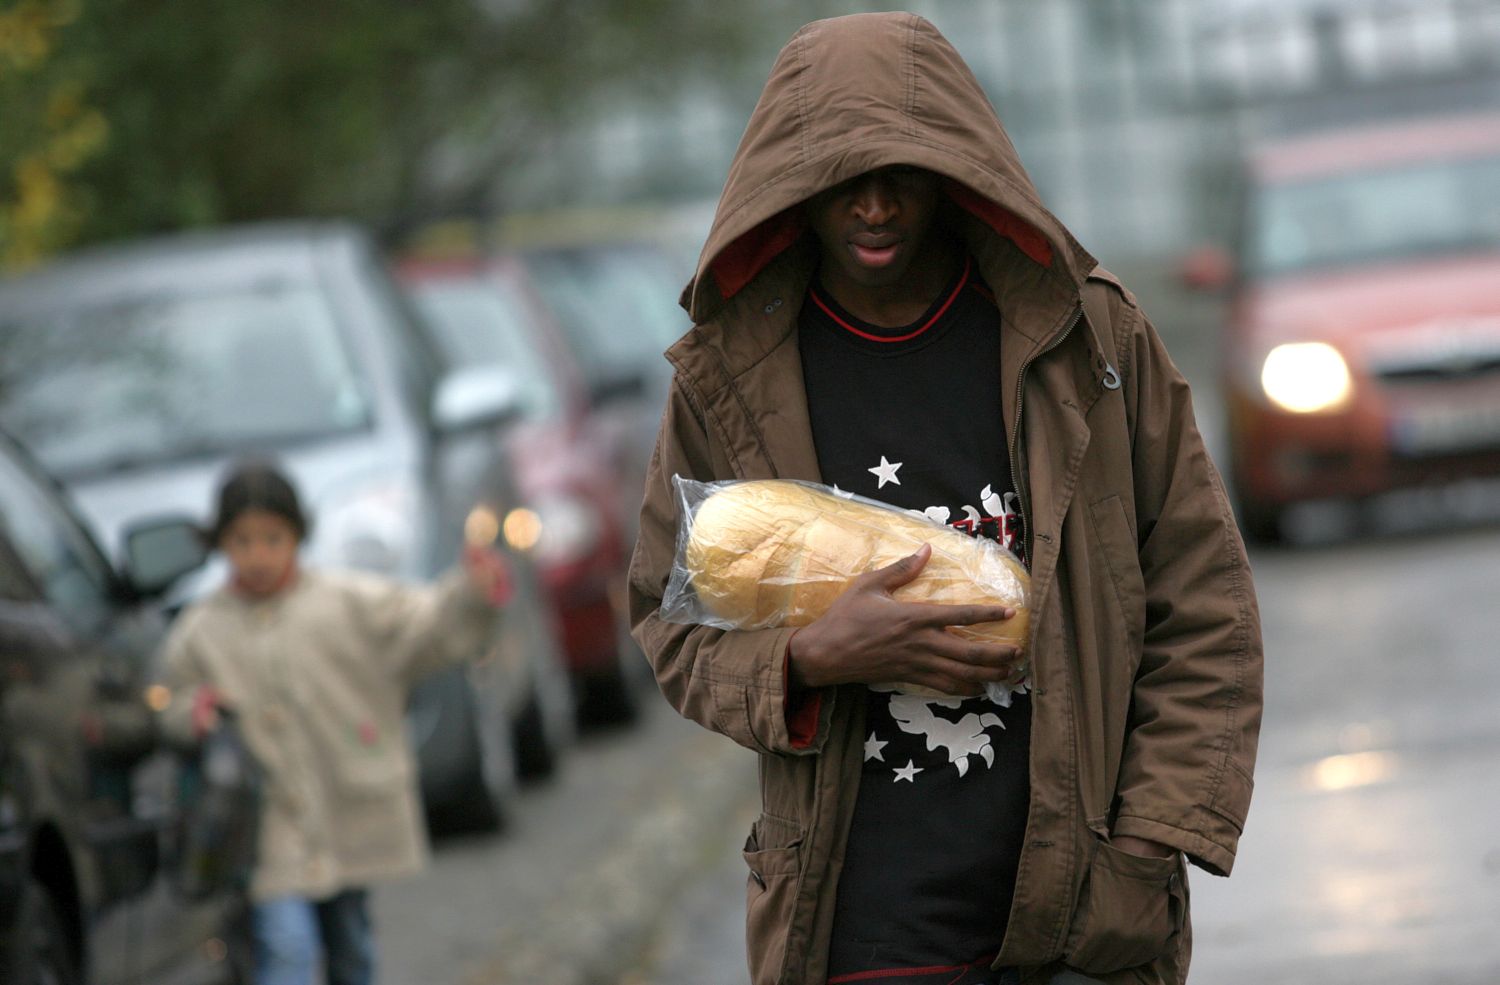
(1015, 476)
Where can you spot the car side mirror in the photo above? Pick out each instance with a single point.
(475, 398)
(1208, 268)
(623, 384)
(160, 551)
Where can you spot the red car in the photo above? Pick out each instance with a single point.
(568, 466)
(1363, 348)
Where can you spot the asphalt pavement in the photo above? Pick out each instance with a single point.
(572, 891)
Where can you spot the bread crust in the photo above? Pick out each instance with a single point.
(766, 553)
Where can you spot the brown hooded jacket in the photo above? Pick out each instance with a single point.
(1146, 654)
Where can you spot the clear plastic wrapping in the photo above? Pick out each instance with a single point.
(769, 553)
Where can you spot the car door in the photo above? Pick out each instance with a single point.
(19, 656)
(116, 788)
(65, 713)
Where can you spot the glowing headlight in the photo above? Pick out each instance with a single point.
(1306, 377)
(481, 527)
(559, 531)
(522, 528)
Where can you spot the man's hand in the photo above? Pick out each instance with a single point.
(868, 637)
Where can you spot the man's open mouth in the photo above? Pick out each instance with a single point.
(875, 251)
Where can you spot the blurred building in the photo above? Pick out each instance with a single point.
(1126, 112)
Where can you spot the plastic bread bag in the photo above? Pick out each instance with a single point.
(758, 554)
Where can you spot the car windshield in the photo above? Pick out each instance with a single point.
(618, 307)
(481, 323)
(1389, 214)
(169, 376)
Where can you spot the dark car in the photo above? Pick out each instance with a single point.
(573, 467)
(100, 879)
(136, 372)
(1362, 352)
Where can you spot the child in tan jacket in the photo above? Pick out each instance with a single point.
(316, 666)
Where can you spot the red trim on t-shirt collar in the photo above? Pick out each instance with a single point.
(827, 310)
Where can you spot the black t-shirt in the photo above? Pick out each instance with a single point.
(912, 417)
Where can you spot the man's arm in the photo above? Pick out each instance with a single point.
(1185, 778)
(772, 689)
(733, 682)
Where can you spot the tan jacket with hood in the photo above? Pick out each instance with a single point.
(318, 676)
(1146, 650)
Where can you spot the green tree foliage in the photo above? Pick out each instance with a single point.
(124, 117)
(48, 130)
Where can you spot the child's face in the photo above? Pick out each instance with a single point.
(261, 547)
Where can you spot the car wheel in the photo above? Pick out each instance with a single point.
(617, 696)
(1260, 523)
(537, 752)
(48, 954)
(488, 807)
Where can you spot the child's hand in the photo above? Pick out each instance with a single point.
(205, 713)
(490, 575)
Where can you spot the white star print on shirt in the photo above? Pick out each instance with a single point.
(886, 472)
(908, 772)
(873, 747)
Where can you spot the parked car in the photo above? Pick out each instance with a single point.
(99, 882)
(138, 372)
(1362, 352)
(573, 467)
(616, 302)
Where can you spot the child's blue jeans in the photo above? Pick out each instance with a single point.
(293, 934)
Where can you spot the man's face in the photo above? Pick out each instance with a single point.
(873, 226)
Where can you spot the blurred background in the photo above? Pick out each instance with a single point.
(428, 255)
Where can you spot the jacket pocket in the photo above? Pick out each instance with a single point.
(1130, 909)
(771, 852)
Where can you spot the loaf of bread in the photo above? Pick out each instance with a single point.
(777, 553)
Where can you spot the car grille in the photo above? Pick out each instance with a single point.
(1464, 359)
(1442, 392)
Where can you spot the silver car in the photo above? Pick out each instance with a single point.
(137, 373)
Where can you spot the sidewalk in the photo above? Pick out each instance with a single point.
(574, 891)
(605, 911)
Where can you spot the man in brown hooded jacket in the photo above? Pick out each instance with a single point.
(875, 201)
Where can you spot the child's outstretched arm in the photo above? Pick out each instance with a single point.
(421, 629)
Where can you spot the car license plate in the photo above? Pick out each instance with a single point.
(1440, 428)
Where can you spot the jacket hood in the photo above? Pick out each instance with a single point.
(846, 96)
